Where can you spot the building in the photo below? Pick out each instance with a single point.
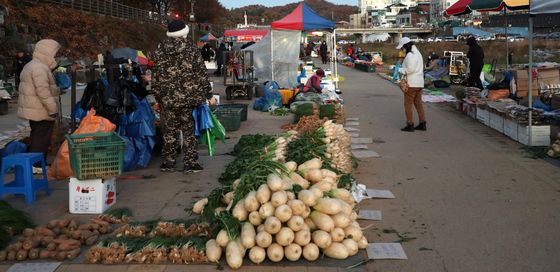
(416, 16)
(355, 20)
(438, 7)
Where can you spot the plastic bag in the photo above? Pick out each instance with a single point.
(60, 169)
(210, 135)
(63, 80)
(271, 99)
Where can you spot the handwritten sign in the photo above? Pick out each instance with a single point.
(379, 251)
(364, 154)
(379, 193)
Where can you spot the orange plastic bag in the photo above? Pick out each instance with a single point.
(494, 95)
(60, 169)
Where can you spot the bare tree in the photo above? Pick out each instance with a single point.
(161, 6)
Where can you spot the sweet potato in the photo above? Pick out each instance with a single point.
(33, 254)
(84, 227)
(63, 223)
(86, 234)
(66, 241)
(44, 254)
(29, 244)
(57, 230)
(11, 256)
(62, 237)
(91, 240)
(94, 226)
(73, 225)
(51, 246)
(21, 255)
(42, 231)
(3, 255)
(28, 232)
(52, 224)
(61, 255)
(99, 222)
(66, 247)
(16, 246)
(46, 240)
(76, 234)
(72, 254)
(21, 239)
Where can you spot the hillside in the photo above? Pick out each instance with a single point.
(256, 13)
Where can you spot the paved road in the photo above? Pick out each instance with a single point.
(470, 198)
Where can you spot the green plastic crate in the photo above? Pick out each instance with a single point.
(229, 117)
(237, 106)
(96, 155)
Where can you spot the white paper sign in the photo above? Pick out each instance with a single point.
(369, 214)
(354, 134)
(359, 146)
(34, 267)
(379, 251)
(352, 119)
(364, 154)
(362, 140)
(351, 129)
(379, 193)
(353, 123)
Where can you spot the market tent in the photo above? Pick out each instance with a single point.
(544, 6)
(498, 5)
(303, 18)
(244, 35)
(208, 37)
(459, 8)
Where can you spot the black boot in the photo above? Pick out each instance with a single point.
(421, 126)
(408, 128)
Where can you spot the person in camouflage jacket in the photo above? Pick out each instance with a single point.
(180, 84)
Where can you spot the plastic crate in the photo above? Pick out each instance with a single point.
(237, 106)
(96, 155)
(229, 117)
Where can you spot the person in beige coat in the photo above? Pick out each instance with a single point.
(37, 95)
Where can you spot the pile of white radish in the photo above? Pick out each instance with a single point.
(279, 225)
(339, 150)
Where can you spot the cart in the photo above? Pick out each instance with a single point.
(239, 74)
(5, 97)
(458, 66)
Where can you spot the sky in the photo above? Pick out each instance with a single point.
(240, 3)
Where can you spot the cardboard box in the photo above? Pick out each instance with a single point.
(523, 93)
(93, 196)
(471, 110)
(510, 129)
(483, 116)
(522, 81)
(497, 122)
(540, 135)
(548, 76)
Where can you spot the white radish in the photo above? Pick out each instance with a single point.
(336, 251)
(283, 213)
(297, 179)
(322, 221)
(291, 195)
(260, 228)
(198, 207)
(353, 232)
(310, 223)
(291, 166)
(236, 183)
(341, 220)
(307, 197)
(343, 195)
(266, 210)
(264, 239)
(311, 252)
(297, 206)
(248, 235)
(293, 252)
(278, 198)
(351, 246)
(363, 243)
(317, 192)
(328, 205)
(274, 182)
(234, 257)
(311, 164)
(272, 225)
(263, 194)
(255, 218)
(302, 237)
(213, 251)
(257, 255)
(313, 175)
(228, 198)
(285, 236)
(306, 213)
(337, 235)
(297, 223)
(323, 186)
(251, 203)
(321, 238)
(239, 211)
(222, 238)
(275, 252)
(328, 173)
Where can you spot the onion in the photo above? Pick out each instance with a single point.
(266, 210)
(275, 252)
(292, 252)
(234, 256)
(272, 225)
(264, 239)
(321, 238)
(213, 250)
(336, 251)
(351, 246)
(297, 206)
(263, 194)
(278, 198)
(302, 237)
(285, 236)
(255, 218)
(296, 223)
(274, 182)
(257, 255)
(222, 238)
(283, 213)
(251, 203)
(311, 252)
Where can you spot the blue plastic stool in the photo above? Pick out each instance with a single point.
(24, 182)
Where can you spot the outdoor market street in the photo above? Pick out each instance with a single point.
(467, 198)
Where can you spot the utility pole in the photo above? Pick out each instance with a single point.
(192, 18)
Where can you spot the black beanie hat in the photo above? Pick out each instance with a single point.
(177, 28)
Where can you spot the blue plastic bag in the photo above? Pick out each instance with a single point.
(63, 80)
(271, 99)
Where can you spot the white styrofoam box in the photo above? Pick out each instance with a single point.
(217, 96)
(211, 65)
(510, 129)
(483, 116)
(93, 196)
(303, 80)
(471, 110)
(540, 135)
(497, 122)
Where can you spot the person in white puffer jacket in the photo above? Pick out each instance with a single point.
(413, 70)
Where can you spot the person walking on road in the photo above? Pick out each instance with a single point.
(206, 52)
(413, 69)
(37, 95)
(21, 60)
(180, 84)
(476, 62)
(324, 52)
(220, 59)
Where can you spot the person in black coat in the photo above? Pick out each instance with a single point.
(324, 51)
(476, 62)
(21, 60)
(220, 59)
(206, 52)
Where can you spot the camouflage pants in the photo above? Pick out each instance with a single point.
(177, 121)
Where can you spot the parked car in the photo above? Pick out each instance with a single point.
(343, 42)
(417, 39)
(434, 39)
(449, 39)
